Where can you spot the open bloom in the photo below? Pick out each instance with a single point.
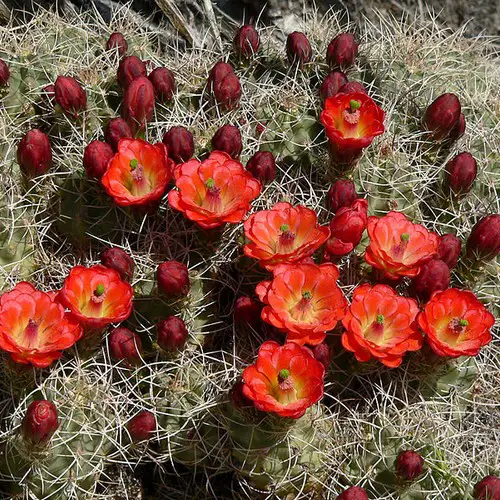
(139, 173)
(214, 191)
(34, 328)
(303, 300)
(381, 324)
(351, 122)
(456, 323)
(96, 296)
(397, 246)
(283, 234)
(285, 379)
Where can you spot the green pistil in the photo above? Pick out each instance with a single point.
(283, 374)
(133, 164)
(405, 237)
(307, 295)
(210, 183)
(380, 319)
(463, 322)
(285, 228)
(99, 290)
(354, 104)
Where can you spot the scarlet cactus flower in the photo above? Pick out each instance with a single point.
(381, 324)
(303, 300)
(40, 422)
(172, 334)
(409, 465)
(4, 73)
(347, 227)
(228, 139)
(163, 81)
(298, 48)
(487, 489)
(247, 310)
(70, 95)
(96, 296)
(142, 426)
(332, 84)
(246, 41)
(173, 278)
(138, 174)
(117, 41)
(441, 116)
(397, 246)
(483, 243)
(180, 144)
(342, 51)
(449, 249)
(117, 129)
(262, 166)
(119, 260)
(351, 122)
(461, 172)
(214, 191)
(456, 323)
(96, 157)
(342, 193)
(125, 344)
(284, 234)
(34, 153)
(434, 276)
(353, 493)
(129, 69)
(459, 129)
(350, 87)
(138, 103)
(285, 380)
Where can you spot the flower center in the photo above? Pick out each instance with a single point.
(399, 249)
(380, 319)
(136, 170)
(285, 380)
(458, 326)
(99, 294)
(31, 330)
(286, 237)
(351, 115)
(307, 296)
(405, 237)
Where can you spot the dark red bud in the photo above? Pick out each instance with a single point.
(459, 128)
(247, 311)
(246, 41)
(48, 96)
(441, 116)
(34, 153)
(129, 69)
(260, 128)
(218, 73)
(262, 166)
(298, 48)
(172, 334)
(342, 193)
(117, 41)
(227, 92)
(331, 85)
(409, 465)
(323, 354)
(353, 493)
(125, 344)
(4, 73)
(228, 139)
(116, 129)
(40, 422)
(461, 172)
(342, 51)
(120, 261)
(484, 239)
(351, 87)
(173, 278)
(180, 144)
(434, 276)
(142, 426)
(487, 489)
(138, 103)
(163, 81)
(70, 95)
(96, 158)
(237, 398)
(449, 249)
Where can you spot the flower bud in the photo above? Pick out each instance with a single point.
(434, 276)
(227, 92)
(342, 51)
(4, 73)
(262, 166)
(351, 87)
(236, 396)
(331, 85)
(342, 193)
(461, 172)
(323, 354)
(119, 260)
(96, 158)
(487, 489)
(484, 239)
(298, 48)
(247, 311)
(218, 73)
(180, 144)
(228, 139)
(163, 81)
(70, 95)
(116, 129)
(34, 154)
(173, 278)
(130, 68)
(125, 344)
(138, 103)
(40, 422)
(449, 249)
(459, 128)
(142, 426)
(441, 116)
(47, 98)
(117, 41)
(409, 465)
(353, 493)
(246, 41)
(172, 334)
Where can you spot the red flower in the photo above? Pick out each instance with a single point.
(283, 234)
(139, 173)
(351, 122)
(285, 379)
(456, 323)
(214, 191)
(34, 328)
(97, 296)
(397, 246)
(381, 324)
(303, 300)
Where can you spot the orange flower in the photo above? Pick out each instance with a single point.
(303, 300)
(381, 324)
(456, 323)
(214, 191)
(285, 379)
(284, 234)
(139, 173)
(34, 328)
(397, 246)
(351, 122)
(96, 296)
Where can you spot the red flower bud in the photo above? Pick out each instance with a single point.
(487, 489)
(353, 493)
(461, 172)
(173, 278)
(40, 422)
(449, 249)
(4, 73)
(129, 69)
(459, 128)
(125, 344)
(441, 116)
(116, 129)
(351, 87)
(342, 51)
(172, 334)
(117, 41)
(142, 426)
(237, 398)
(484, 239)
(247, 310)
(34, 154)
(434, 276)
(323, 354)
(298, 48)
(342, 193)
(262, 166)
(48, 96)
(246, 41)
(119, 260)
(138, 103)
(332, 84)
(96, 158)
(70, 95)
(260, 128)
(218, 73)
(163, 81)
(180, 144)
(227, 92)
(409, 465)
(228, 139)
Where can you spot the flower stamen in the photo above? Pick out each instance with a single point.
(285, 380)
(99, 294)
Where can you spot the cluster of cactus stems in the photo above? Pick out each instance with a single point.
(166, 383)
